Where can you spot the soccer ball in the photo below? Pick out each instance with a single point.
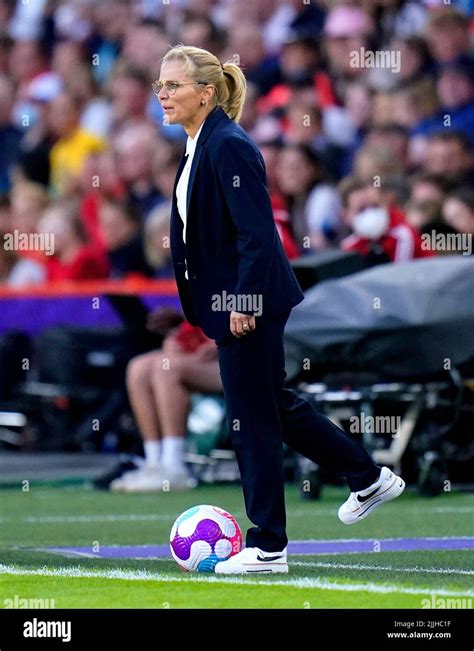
(203, 536)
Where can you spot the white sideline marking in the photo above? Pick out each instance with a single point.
(388, 568)
(131, 517)
(128, 517)
(336, 540)
(322, 584)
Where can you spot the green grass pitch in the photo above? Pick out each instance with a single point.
(77, 516)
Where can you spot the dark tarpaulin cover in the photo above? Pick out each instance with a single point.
(396, 320)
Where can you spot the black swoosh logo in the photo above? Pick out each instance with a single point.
(364, 498)
(267, 560)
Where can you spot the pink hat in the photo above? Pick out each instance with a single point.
(346, 20)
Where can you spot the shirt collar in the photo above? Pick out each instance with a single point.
(192, 142)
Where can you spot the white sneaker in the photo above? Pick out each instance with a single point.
(153, 479)
(362, 503)
(175, 478)
(143, 480)
(253, 560)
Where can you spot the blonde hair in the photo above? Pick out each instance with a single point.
(227, 78)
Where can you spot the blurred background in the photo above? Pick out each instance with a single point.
(371, 173)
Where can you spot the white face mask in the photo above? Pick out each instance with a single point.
(371, 223)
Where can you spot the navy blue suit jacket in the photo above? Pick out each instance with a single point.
(232, 244)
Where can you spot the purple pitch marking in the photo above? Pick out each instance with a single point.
(306, 547)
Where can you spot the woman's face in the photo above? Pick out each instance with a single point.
(180, 108)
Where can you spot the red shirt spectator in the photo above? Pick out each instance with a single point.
(401, 242)
(89, 263)
(72, 256)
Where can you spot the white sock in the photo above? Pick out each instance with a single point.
(152, 452)
(173, 451)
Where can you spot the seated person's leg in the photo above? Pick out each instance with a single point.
(174, 380)
(140, 391)
(169, 376)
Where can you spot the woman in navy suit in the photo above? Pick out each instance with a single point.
(235, 281)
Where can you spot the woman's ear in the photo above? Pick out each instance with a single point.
(210, 92)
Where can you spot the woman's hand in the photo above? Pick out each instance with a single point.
(241, 324)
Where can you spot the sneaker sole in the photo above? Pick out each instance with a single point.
(395, 489)
(281, 568)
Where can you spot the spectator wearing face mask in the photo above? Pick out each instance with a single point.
(380, 232)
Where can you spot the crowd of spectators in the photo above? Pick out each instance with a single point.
(358, 150)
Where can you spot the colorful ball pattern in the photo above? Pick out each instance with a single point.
(203, 536)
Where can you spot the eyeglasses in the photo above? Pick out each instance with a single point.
(172, 86)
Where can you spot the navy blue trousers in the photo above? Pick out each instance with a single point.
(262, 412)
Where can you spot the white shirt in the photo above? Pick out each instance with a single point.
(182, 187)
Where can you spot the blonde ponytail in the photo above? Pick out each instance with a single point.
(237, 90)
(228, 79)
